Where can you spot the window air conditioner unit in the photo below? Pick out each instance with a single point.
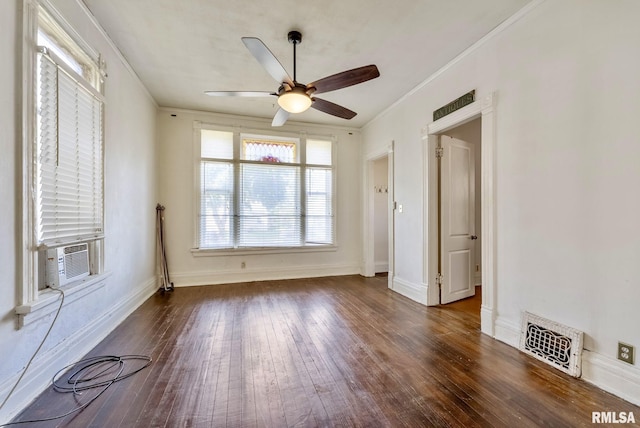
(66, 264)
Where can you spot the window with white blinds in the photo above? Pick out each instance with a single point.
(265, 191)
(68, 155)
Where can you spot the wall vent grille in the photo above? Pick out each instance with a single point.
(553, 343)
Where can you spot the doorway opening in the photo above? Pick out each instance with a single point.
(378, 230)
(381, 215)
(459, 212)
(484, 112)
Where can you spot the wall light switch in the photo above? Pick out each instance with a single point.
(399, 208)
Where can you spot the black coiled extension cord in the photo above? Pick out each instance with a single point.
(89, 373)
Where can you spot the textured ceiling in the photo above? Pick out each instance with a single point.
(182, 48)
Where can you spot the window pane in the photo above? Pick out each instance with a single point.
(319, 217)
(268, 151)
(46, 40)
(319, 152)
(216, 144)
(52, 35)
(216, 205)
(269, 205)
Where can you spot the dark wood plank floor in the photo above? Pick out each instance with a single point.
(338, 351)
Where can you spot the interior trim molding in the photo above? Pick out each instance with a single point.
(229, 276)
(115, 50)
(415, 292)
(524, 11)
(612, 375)
(47, 302)
(261, 123)
(505, 330)
(485, 109)
(382, 266)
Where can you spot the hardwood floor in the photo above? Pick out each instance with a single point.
(338, 351)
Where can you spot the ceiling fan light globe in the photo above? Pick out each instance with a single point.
(294, 102)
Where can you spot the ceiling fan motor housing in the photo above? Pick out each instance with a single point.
(294, 37)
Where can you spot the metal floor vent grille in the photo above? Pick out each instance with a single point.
(553, 343)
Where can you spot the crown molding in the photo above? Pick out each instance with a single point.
(524, 11)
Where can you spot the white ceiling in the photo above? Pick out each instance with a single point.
(180, 48)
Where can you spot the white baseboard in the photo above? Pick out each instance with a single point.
(612, 375)
(382, 267)
(507, 332)
(71, 349)
(187, 279)
(416, 292)
(477, 278)
(486, 321)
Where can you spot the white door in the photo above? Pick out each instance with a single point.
(457, 212)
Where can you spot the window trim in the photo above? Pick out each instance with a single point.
(33, 303)
(238, 132)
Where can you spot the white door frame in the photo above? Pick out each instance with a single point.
(369, 268)
(484, 108)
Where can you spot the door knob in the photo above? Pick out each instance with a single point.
(473, 237)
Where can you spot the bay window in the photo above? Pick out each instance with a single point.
(264, 191)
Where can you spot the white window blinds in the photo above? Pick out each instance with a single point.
(319, 193)
(269, 205)
(259, 192)
(216, 204)
(69, 164)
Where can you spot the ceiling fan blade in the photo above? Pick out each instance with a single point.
(264, 56)
(332, 108)
(280, 118)
(239, 93)
(345, 79)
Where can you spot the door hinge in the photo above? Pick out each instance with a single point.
(439, 152)
(439, 280)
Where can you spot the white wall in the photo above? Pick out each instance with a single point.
(177, 184)
(130, 197)
(9, 168)
(568, 236)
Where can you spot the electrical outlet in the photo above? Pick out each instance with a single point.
(626, 353)
(243, 265)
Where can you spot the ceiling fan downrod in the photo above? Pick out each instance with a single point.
(295, 38)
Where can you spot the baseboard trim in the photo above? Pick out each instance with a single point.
(69, 350)
(416, 292)
(382, 267)
(477, 279)
(487, 325)
(190, 279)
(612, 375)
(507, 332)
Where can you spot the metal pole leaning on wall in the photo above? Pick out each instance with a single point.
(166, 284)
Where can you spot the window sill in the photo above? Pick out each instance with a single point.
(213, 252)
(48, 300)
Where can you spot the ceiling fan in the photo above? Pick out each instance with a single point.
(295, 97)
